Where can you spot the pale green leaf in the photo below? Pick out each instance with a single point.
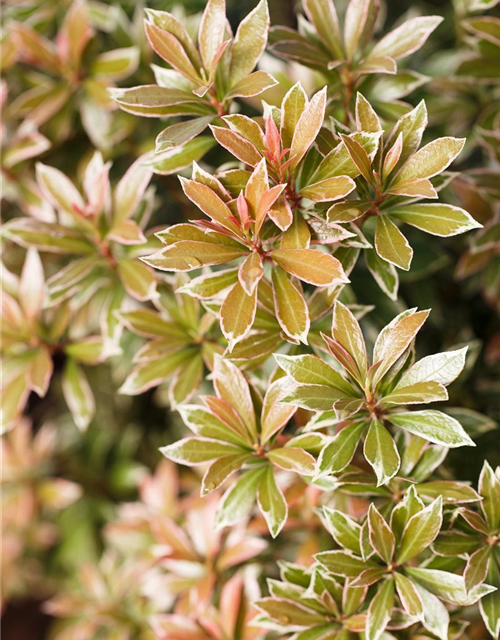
(195, 451)
(381, 452)
(436, 218)
(421, 531)
(239, 499)
(434, 426)
(379, 611)
(391, 244)
(272, 503)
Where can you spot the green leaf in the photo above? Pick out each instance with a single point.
(291, 308)
(150, 324)
(249, 42)
(211, 32)
(236, 144)
(309, 265)
(232, 386)
(117, 64)
(237, 314)
(152, 373)
(14, 395)
(70, 275)
(411, 126)
(138, 279)
(451, 491)
(309, 369)
(209, 285)
(379, 611)
(431, 159)
(152, 96)
(177, 158)
(400, 336)
(434, 426)
(451, 544)
(393, 156)
(220, 470)
(436, 218)
(345, 531)
(436, 618)
(34, 44)
(323, 16)
(489, 605)
(251, 272)
(329, 189)
(404, 510)
(358, 156)
(126, 232)
(275, 414)
(239, 499)
(339, 163)
(406, 38)
(391, 244)
(167, 22)
(78, 394)
(381, 537)
(440, 367)
(170, 49)
(195, 451)
(40, 371)
(381, 452)
(186, 380)
(281, 609)
(292, 107)
(252, 85)
(421, 531)
(187, 255)
(208, 201)
(314, 397)
(58, 189)
(448, 586)
(359, 22)
(293, 459)
(489, 489)
(308, 127)
(339, 453)
(366, 118)
(477, 568)
(208, 425)
(180, 133)
(418, 188)
(417, 393)
(347, 332)
(369, 577)
(409, 596)
(272, 503)
(46, 236)
(342, 563)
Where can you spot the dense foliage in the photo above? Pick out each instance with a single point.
(239, 260)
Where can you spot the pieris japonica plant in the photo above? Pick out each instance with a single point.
(242, 275)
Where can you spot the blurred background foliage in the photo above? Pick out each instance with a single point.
(50, 531)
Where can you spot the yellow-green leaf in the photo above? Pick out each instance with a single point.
(237, 314)
(291, 308)
(272, 503)
(309, 265)
(431, 159)
(391, 244)
(438, 219)
(381, 452)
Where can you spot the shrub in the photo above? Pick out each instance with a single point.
(268, 300)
